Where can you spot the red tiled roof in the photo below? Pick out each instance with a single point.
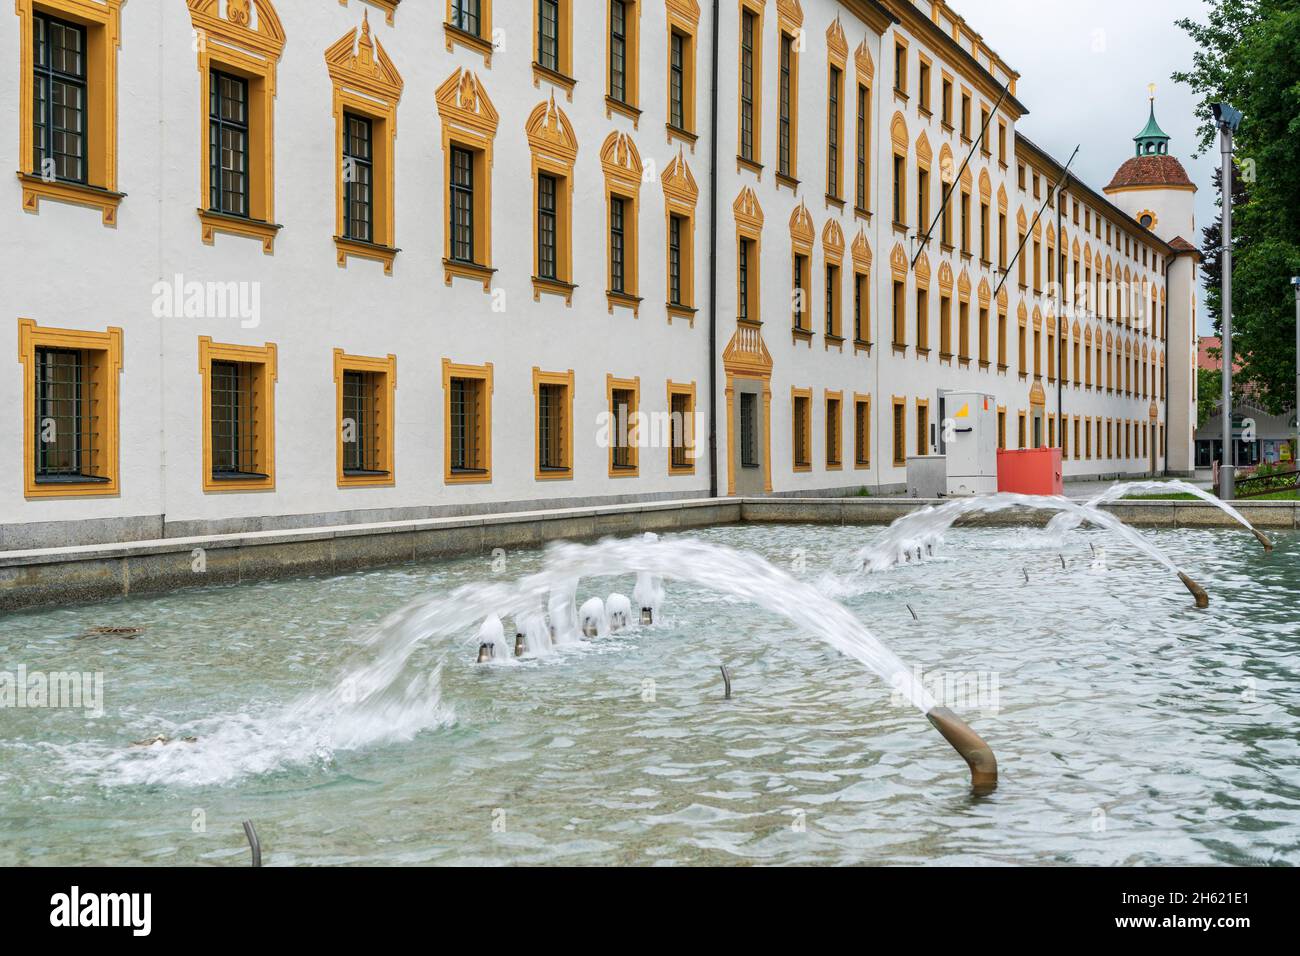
(1151, 171)
(1182, 245)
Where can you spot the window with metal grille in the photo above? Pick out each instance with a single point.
(358, 177)
(465, 15)
(548, 34)
(616, 247)
(802, 428)
(228, 144)
(787, 63)
(677, 80)
(621, 407)
(59, 100)
(833, 431)
(863, 105)
(618, 50)
(67, 417)
(234, 417)
(747, 85)
(675, 260)
(467, 424)
(742, 279)
(552, 415)
(462, 204)
(748, 430)
(833, 135)
(862, 434)
(546, 216)
(900, 436)
(680, 419)
(362, 424)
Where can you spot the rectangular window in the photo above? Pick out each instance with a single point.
(233, 430)
(923, 81)
(798, 292)
(548, 34)
(748, 430)
(462, 205)
(833, 301)
(802, 417)
(833, 134)
(747, 28)
(900, 68)
(900, 432)
(358, 178)
(984, 337)
(862, 432)
(363, 426)
(59, 103)
(228, 144)
(622, 452)
(675, 228)
(922, 320)
(618, 26)
(681, 408)
(922, 428)
(1002, 428)
(965, 116)
(617, 248)
(861, 315)
(900, 316)
(922, 198)
(743, 300)
(553, 394)
(67, 419)
(1002, 340)
(947, 102)
(467, 399)
(945, 326)
(465, 16)
(963, 331)
(547, 188)
(1021, 435)
(833, 440)
(677, 47)
(984, 125)
(785, 106)
(900, 214)
(864, 114)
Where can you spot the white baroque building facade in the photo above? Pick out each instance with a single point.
(287, 263)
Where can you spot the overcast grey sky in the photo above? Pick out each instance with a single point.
(1084, 70)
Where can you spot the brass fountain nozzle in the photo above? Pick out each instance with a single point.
(1262, 538)
(1198, 592)
(977, 754)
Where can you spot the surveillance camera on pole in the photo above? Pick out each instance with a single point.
(1227, 119)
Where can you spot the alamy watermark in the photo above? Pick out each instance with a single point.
(179, 299)
(23, 689)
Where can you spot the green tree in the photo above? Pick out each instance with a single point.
(1249, 55)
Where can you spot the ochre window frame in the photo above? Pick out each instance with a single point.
(801, 425)
(386, 393)
(366, 83)
(922, 433)
(251, 53)
(632, 385)
(469, 121)
(834, 462)
(481, 373)
(758, 8)
(803, 235)
(554, 148)
(833, 258)
(621, 163)
(749, 218)
(631, 106)
(101, 20)
(566, 379)
(689, 437)
(861, 401)
(789, 23)
(562, 76)
(862, 256)
(105, 378)
(837, 58)
(865, 70)
(483, 43)
(683, 18)
(681, 197)
(898, 429)
(266, 357)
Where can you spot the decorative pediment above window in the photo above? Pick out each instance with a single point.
(462, 100)
(861, 251)
(621, 161)
(678, 183)
(358, 61)
(1022, 313)
(833, 240)
(898, 263)
(963, 286)
(747, 210)
(250, 24)
(1022, 221)
(862, 59)
(945, 277)
(1002, 199)
(898, 133)
(836, 45)
(1003, 299)
(549, 131)
(985, 293)
(802, 230)
(922, 271)
(986, 186)
(688, 10)
(923, 151)
(789, 14)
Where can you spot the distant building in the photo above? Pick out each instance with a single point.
(1273, 434)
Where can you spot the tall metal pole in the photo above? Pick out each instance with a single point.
(1227, 470)
(1296, 457)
